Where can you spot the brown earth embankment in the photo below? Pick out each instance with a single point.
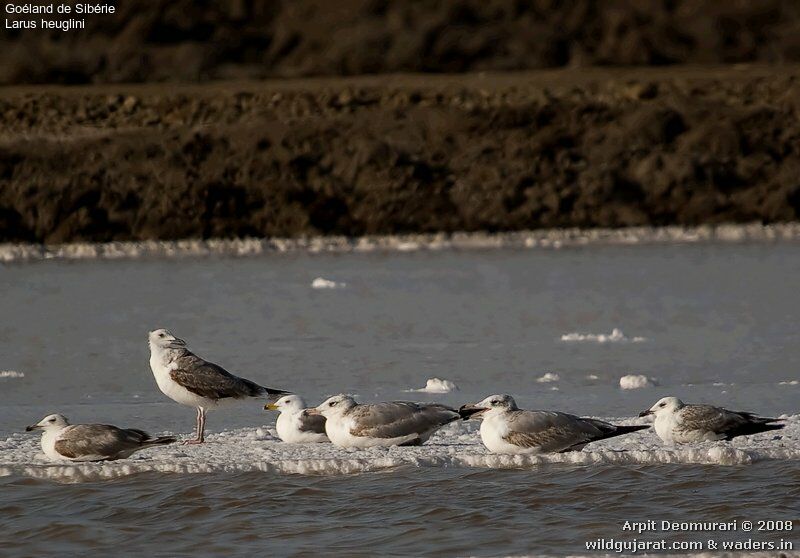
(401, 153)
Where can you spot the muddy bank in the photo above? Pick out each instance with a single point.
(400, 154)
(546, 239)
(180, 40)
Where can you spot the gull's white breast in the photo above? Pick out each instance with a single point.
(288, 427)
(161, 365)
(49, 438)
(663, 426)
(493, 429)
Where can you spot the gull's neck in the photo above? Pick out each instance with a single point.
(51, 430)
(167, 354)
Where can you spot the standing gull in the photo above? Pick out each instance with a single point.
(399, 423)
(295, 424)
(91, 442)
(188, 379)
(507, 429)
(677, 422)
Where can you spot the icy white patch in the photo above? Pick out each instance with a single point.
(455, 445)
(616, 336)
(436, 385)
(11, 374)
(322, 283)
(789, 383)
(548, 377)
(636, 381)
(592, 377)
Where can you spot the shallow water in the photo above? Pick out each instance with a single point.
(719, 323)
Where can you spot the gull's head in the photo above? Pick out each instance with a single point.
(163, 339)
(664, 406)
(50, 422)
(336, 405)
(494, 404)
(287, 403)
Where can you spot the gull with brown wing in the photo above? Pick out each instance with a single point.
(508, 429)
(296, 424)
(91, 442)
(189, 380)
(396, 423)
(679, 423)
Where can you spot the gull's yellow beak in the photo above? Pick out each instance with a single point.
(270, 407)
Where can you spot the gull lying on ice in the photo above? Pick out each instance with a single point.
(91, 442)
(398, 423)
(188, 379)
(295, 424)
(507, 429)
(677, 422)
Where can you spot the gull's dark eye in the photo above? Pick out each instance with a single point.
(161, 335)
(52, 420)
(495, 402)
(663, 405)
(332, 403)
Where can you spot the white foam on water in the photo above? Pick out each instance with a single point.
(456, 445)
(322, 283)
(789, 383)
(636, 381)
(616, 336)
(547, 239)
(436, 385)
(548, 378)
(11, 374)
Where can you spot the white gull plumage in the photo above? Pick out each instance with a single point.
(396, 423)
(507, 429)
(189, 380)
(679, 423)
(295, 424)
(91, 442)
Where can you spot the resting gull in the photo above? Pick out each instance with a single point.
(295, 424)
(91, 442)
(677, 422)
(397, 423)
(188, 379)
(507, 429)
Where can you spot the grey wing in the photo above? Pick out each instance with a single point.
(400, 418)
(550, 430)
(98, 440)
(211, 381)
(710, 418)
(312, 423)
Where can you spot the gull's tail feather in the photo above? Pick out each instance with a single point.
(617, 430)
(756, 426)
(159, 441)
(273, 394)
(252, 389)
(627, 430)
(466, 411)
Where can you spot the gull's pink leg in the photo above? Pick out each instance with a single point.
(199, 427)
(202, 435)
